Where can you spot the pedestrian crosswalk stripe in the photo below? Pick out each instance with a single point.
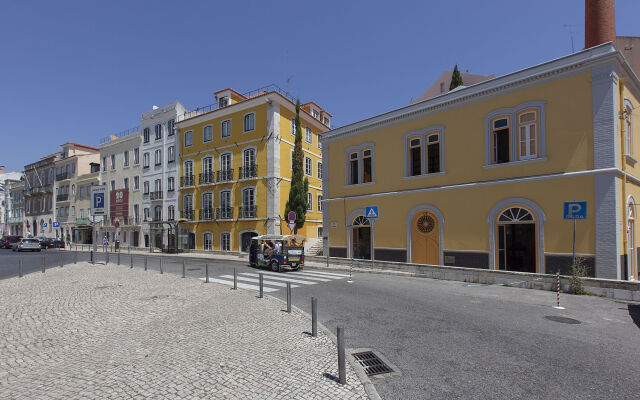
(282, 279)
(326, 273)
(241, 285)
(313, 276)
(266, 282)
(301, 275)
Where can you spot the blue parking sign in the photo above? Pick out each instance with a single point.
(98, 200)
(575, 210)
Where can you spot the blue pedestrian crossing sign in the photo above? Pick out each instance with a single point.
(371, 212)
(575, 210)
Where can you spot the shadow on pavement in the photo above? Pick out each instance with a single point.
(634, 312)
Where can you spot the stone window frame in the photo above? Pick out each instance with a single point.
(423, 134)
(359, 149)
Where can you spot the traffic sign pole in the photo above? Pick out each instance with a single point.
(573, 258)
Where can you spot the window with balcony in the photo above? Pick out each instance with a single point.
(206, 177)
(207, 133)
(158, 130)
(225, 128)
(187, 207)
(248, 209)
(249, 168)
(207, 212)
(225, 211)
(225, 174)
(187, 178)
(145, 135)
(249, 122)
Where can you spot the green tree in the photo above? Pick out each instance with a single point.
(299, 187)
(456, 78)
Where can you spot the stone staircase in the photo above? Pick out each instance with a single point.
(313, 247)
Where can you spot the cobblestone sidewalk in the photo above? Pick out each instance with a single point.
(112, 332)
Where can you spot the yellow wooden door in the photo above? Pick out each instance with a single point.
(425, 238)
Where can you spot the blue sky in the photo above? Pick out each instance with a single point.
(80, 70)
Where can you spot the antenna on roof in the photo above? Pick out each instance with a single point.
(569, 27)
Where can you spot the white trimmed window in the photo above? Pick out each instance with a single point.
(171, 154)
(319, 170)
(319, 203)
(126, 158)
(171, 213)
(207, 241)
(309, 201)
(308, 166)
(171, 184)
(207, 133)
(527, 134)
(628, 128)
(308, 135)
(293, 126)
(136, 156)
(145, 187)
(113, 161)
(170, 125)
(136, 182)
(158, 129)
(146, 160)
(225, 241)
(145, 135)
(158, 157)
(188, 139)
(249, 122)
(225, 128)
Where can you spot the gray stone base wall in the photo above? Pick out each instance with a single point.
(466, 259)
(398, 255)
(338, 252)
(562, 263)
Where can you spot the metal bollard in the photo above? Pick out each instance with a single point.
(206, 273)
(44, 265)
(184, 269)
(75, 257)
(314, 317)
(145, 263)
(327, 261)
(289, 297)
(20, 268)
(558, 292)
(261, 285)
(118, 258)
(235, 279)
(161, 272)
(131, 266)
(342, 371)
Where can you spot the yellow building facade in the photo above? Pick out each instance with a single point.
(235, 168)
(478, 177)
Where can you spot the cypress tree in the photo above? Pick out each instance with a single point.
(299, 187)
(456, 78)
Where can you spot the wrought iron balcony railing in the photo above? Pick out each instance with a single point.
(224, 175)
(206, 214)
(248, 211)
(224, 213)
(248, 171)
(206, 178)
(187, 214)
(62, 197)
(187, 180)
(157, 195)
(63, 176)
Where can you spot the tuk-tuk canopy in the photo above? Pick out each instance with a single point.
(283, 238)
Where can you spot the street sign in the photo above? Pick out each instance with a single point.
(291, 216)
(116, 222)
(56, 224)
(371, 212)
(575, 210)
(43, 225)
(292, 225)
(99, 200)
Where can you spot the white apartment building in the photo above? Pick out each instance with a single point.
(160, 170)
(120, 163)
(5, 198)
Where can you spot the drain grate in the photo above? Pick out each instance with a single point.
(371, 363)
(562, 320)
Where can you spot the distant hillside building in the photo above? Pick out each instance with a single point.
(441, 85)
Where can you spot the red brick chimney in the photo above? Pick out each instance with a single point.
(600, 22)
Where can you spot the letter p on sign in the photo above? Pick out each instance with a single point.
(575, 210)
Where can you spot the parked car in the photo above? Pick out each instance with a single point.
(31, 244)
(45, 242)
(57, 243)
(8, 241)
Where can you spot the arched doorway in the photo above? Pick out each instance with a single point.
(245, 240)
(632, 261)
(361, 238)
(425, 238)
(516, 247)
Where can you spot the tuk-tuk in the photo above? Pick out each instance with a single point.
(277, 252)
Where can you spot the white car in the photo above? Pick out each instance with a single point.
(25, 244)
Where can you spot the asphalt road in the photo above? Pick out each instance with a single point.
(452, 341)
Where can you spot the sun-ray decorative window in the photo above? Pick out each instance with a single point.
(361, 221)
(516, 214)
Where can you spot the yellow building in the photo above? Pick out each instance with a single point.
(235, 168)
(478, 177)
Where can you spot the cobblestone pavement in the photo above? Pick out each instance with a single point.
(112, 332)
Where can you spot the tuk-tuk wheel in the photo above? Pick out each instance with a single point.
(275, 267)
